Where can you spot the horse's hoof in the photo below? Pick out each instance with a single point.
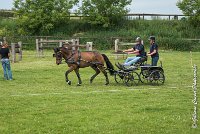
(69, 82)
(78, 84)
(106, 84)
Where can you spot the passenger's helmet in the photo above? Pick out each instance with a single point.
(152, 38)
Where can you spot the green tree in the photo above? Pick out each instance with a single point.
(191, 8)
(41, 16)
(104, 12)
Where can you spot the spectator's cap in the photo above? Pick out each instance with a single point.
(138, 39)
(152, 38)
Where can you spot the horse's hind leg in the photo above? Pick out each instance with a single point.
(105, 73)
(66, 75)
(97, 72)
(78, 75)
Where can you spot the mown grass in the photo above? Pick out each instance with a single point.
(39, 101)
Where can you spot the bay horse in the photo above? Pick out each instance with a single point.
(76, 59)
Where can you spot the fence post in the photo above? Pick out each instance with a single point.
(37, 47)
(77, 41)
(60, 44)
(116, 45)
(89, 46)
(4, 40)
(20, 50)
(13, 52)
(116, 48)
(41, 47)
(73, 44)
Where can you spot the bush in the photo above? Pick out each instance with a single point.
(169, 34)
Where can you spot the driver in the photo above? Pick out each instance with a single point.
(138, 50)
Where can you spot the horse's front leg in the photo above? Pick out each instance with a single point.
(66, 75)
(78, 76)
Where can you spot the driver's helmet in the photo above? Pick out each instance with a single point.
(138, 39)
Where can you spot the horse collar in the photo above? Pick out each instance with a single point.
(71, 58)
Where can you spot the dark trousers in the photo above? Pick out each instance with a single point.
(154, 61)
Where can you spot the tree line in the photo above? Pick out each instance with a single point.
(35, 17)
(41, 16)
(6, 13)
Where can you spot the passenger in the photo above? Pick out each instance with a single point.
(138, 50)
(153, 51)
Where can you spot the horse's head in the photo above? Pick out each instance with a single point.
(58, 54)
(63, 52)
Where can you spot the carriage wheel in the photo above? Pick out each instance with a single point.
(119, 77)
(144, 74)
(131, 79)
(157, 77)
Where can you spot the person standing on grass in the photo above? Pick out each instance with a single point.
(4, 55)
(153, 51)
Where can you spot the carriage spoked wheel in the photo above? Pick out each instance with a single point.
(131, 79)
(157, 77)
(144, 74)
(119, 76)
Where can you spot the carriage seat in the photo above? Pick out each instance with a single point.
(142, 60)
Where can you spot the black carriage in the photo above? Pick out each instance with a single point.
(128, 76)
(140, 72)
(152, 74)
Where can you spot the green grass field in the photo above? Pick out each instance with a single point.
(39, 101)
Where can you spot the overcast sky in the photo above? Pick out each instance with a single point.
(137, 6)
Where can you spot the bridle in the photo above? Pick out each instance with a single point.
(59, 54)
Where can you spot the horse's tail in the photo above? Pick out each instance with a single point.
(109, 65)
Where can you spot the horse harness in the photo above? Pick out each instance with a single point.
(71, 59)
